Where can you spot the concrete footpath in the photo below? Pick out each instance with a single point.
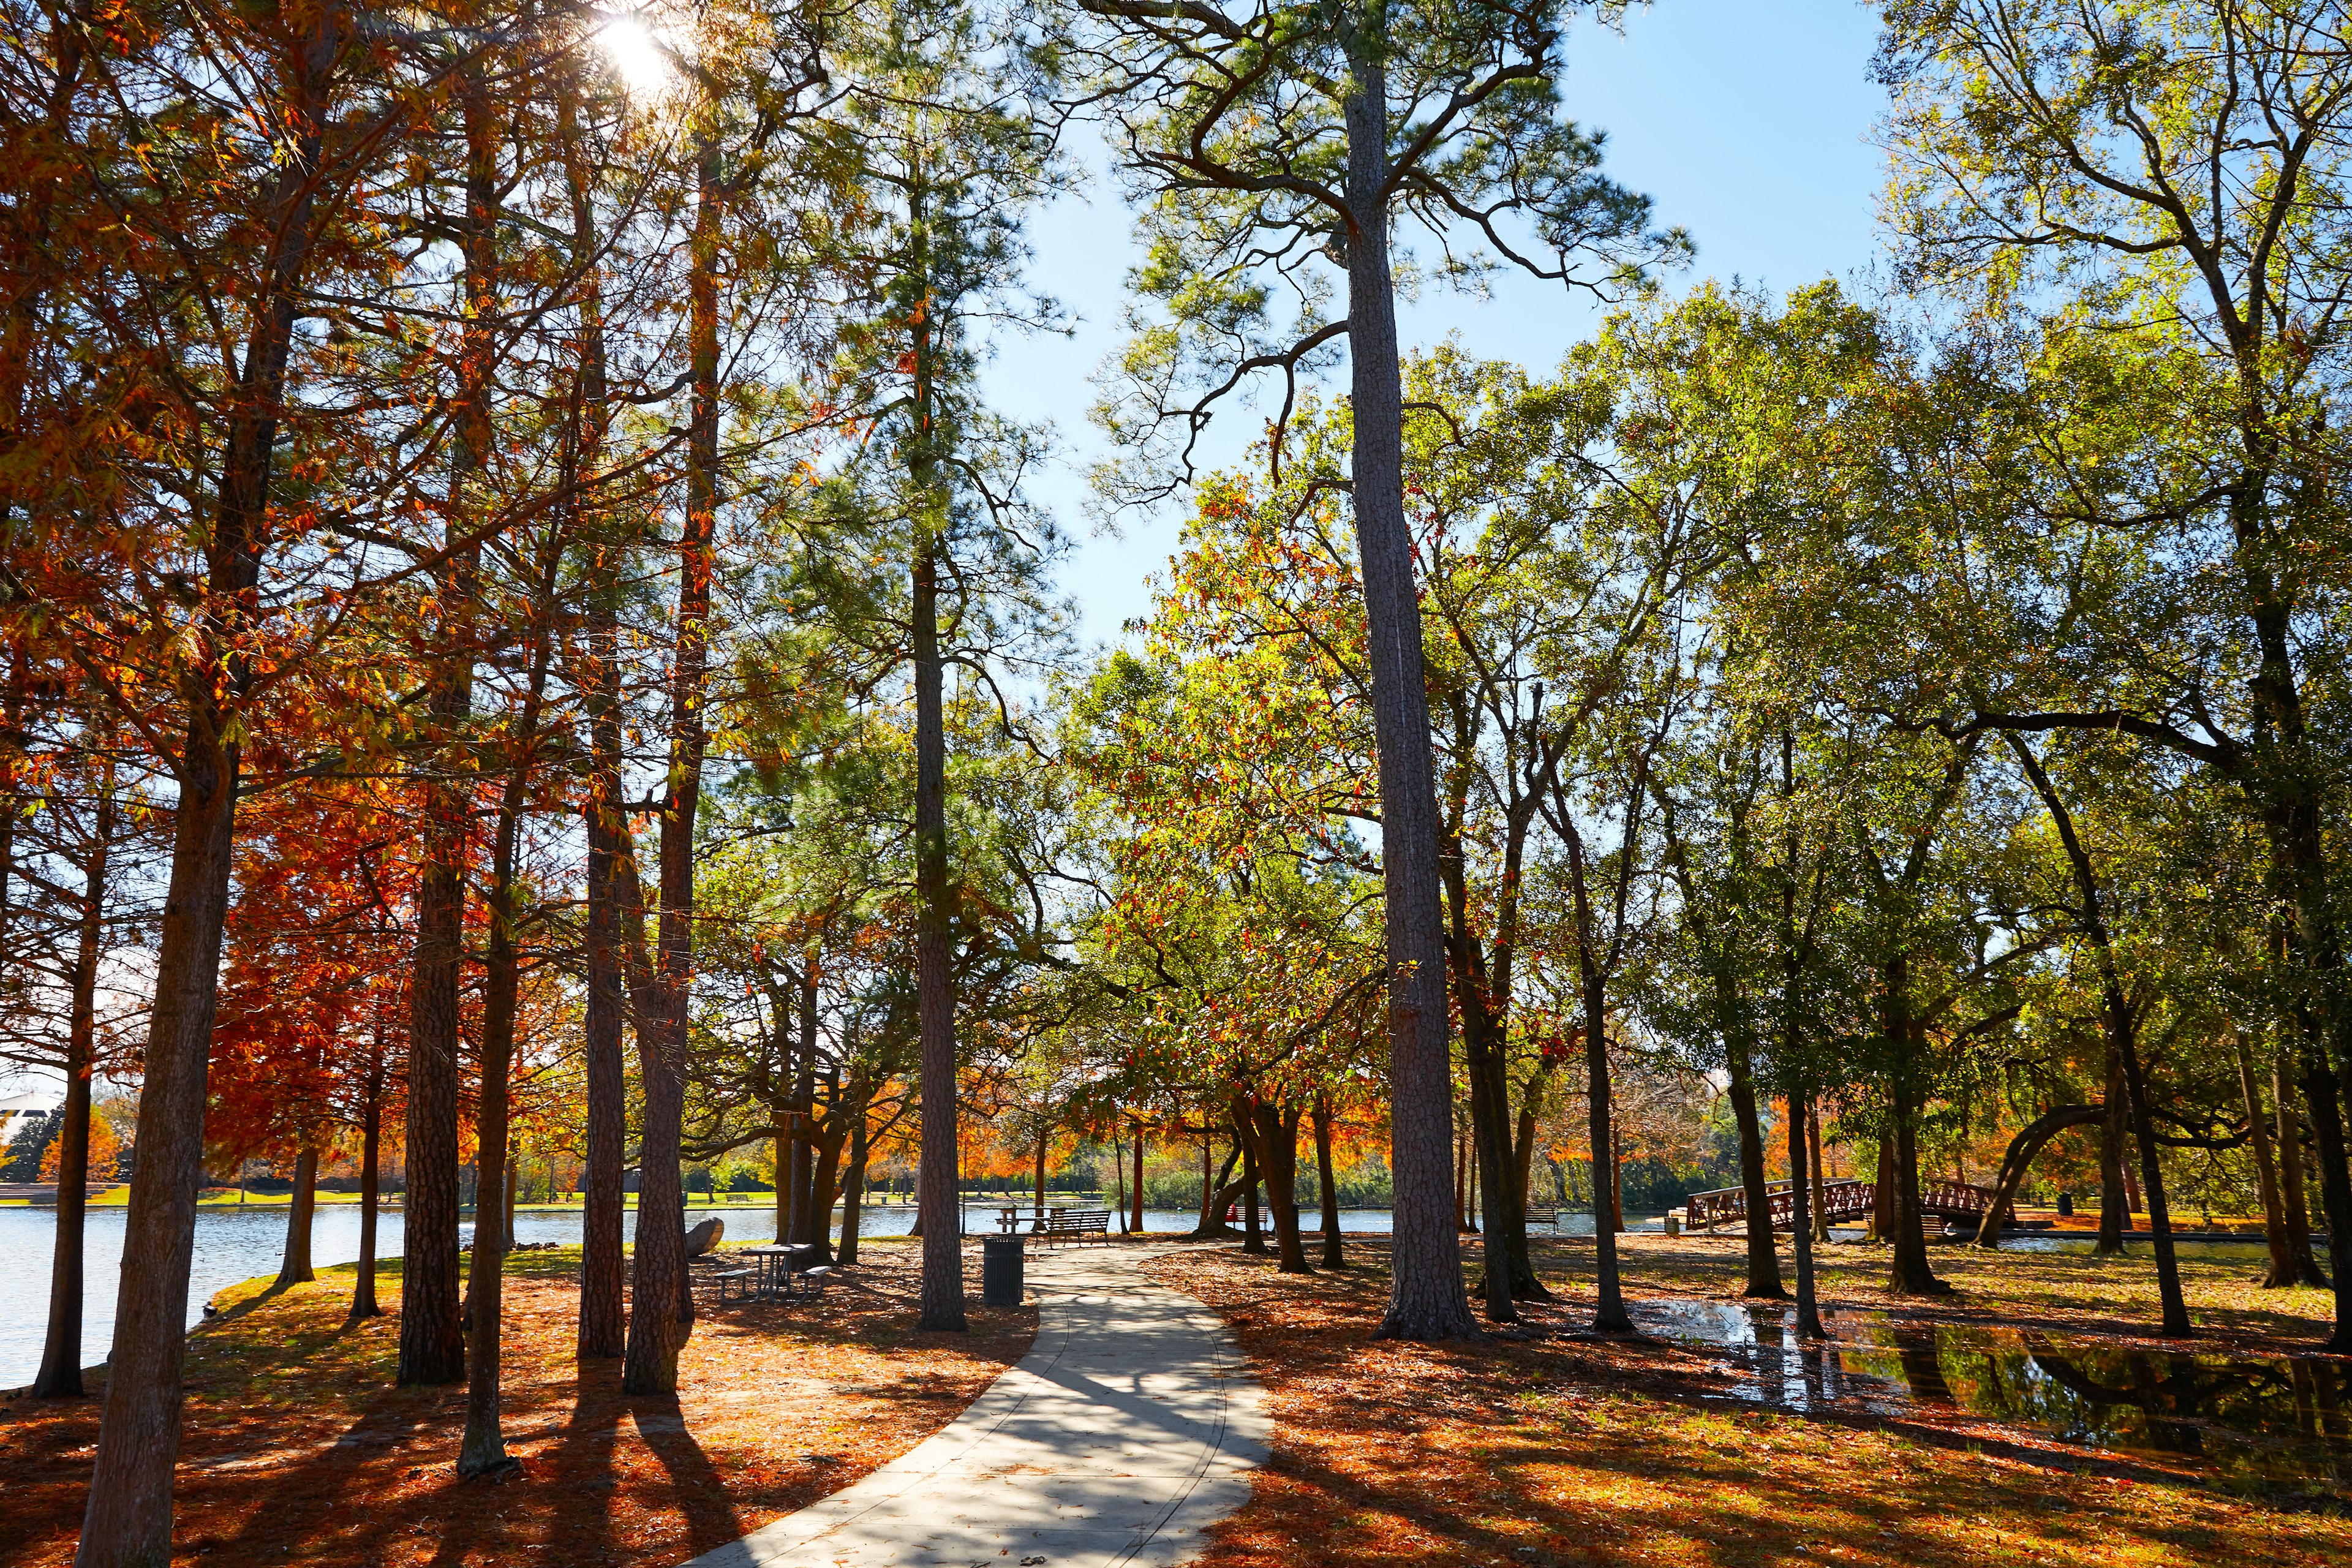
(1129, 1428)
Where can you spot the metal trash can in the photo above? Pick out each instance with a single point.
(1000, 1271)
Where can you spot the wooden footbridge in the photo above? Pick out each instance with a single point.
(1843, 1201)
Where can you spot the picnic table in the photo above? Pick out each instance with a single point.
(777, 1273)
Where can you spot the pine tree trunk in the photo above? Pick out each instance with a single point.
(661, 1306)
(1427, 1300)
(432, 1344)
(1137, 1229)
(603, 1323)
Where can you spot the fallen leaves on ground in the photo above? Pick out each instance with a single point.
(298, 1446)
(1543, 1445)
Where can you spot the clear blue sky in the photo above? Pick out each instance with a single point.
(1747, 121)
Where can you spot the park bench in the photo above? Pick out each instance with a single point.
(737, 1284)
(1544, 1216)
(1076, 1224)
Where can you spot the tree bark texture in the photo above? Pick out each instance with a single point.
(604, 1321)
(661, 1307)
(1275, 1136)
(1427, 1300)
(294, 1264)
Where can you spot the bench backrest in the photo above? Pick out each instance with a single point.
(1082, 1219)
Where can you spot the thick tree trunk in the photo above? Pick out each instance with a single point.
(364, 1303)
(1426, 1297)
(661, 1306)
(1763, 1262)
(942, 1302)
(1275, 1137)
(1334, 1254)
(1809, 1316)
(294, 1264)
(1253, 1239)
(60, 1373)
(604, 1321)
(432, 1343)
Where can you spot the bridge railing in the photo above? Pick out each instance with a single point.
(1844, 1199)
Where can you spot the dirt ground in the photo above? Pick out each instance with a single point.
(297, 1447)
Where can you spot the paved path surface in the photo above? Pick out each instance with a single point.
(1129, 1428)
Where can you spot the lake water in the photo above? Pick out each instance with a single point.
(233, 1245)
(2276, 1421)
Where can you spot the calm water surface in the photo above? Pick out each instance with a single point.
(2270, 1420)
(233, 1245)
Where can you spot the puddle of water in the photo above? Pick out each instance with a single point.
(2268, 1421)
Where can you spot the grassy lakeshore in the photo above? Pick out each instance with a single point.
(298, 1446)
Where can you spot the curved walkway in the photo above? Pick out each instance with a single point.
(1129, 1428)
